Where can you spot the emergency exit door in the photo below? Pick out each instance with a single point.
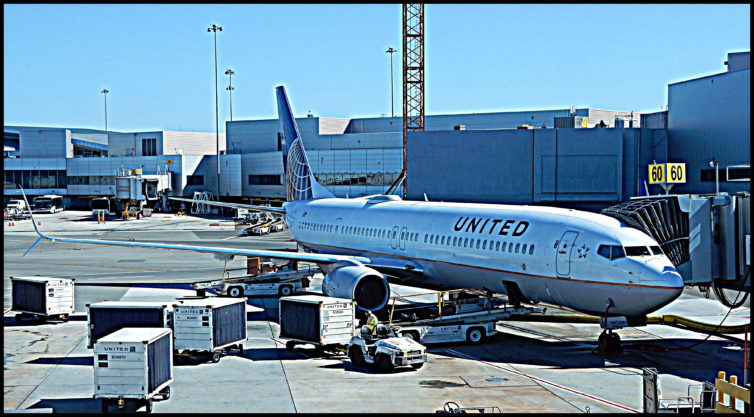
(565, 246)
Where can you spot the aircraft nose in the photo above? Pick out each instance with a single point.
(661, 285)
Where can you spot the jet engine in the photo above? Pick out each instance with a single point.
(367, 287)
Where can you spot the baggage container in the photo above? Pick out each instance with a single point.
(321, 321)
(109, 316)
(209, 325)
(42, 297)
(132, 366)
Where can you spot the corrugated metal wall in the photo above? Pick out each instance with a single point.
(710, 117)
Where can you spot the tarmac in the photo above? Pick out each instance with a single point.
(526, 368)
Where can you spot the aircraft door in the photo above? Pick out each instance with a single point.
(394, 237)
(338, 229)
(563, 263)
(402, 238)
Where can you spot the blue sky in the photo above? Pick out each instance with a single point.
(157, 60)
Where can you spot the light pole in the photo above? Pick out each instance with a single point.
(105, 91)
(230, 73)
(215, 28)
(391, 51)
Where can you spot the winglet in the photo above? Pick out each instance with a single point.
(33, 222)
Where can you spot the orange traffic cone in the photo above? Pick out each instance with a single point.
(10, 223)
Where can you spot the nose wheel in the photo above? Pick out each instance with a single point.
(609, 342)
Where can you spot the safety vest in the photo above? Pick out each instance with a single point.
(371, 323)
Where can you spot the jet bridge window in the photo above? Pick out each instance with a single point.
(636, 251)
(656, 250)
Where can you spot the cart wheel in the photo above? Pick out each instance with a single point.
(105, 405)
(64, 317)
(285, 290)
(240, 349)
(384, 363)
(235, 292)
(18, 317)
(356, 356)
(417, 365)
(165, 393)
(216, 356)
(148, 405)
(290, 345)
(411, 335)
(475, 335)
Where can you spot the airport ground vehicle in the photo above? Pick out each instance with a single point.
(106, 317)
(327, 323)
(283, 283)
(472, 332)
(18, 205)
(42, 298)
(387, 350)
(105, 205)
(133, 366)
(48, 204)
(208, 327)
(466, 315)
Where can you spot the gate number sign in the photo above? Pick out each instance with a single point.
(669, 173)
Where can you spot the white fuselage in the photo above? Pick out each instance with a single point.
(550, 253)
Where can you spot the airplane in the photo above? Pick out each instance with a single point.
(578, 260)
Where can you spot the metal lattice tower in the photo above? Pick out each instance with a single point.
(413, 75)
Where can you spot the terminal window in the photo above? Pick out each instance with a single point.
(35, 178)
(265, 180)
(195, 180)
(149, 147)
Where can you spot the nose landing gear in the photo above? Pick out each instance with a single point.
(609, 341)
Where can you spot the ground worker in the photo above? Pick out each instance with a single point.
(372, 323)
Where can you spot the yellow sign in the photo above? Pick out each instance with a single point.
(669, 173)
(657, 174)
(136, 171)
(169, 162)
(584, 122)
(676, 173)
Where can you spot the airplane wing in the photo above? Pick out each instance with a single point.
(220, 253)
(276, 210)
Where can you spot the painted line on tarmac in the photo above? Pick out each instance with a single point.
(544, 381)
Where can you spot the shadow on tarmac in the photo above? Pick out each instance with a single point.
(57, 360)
(693, 363)
(70, 405)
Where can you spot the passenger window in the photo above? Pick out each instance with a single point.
(426, 237)
(478, 243)
(484, 244)
(455, 240)
(465, 242)
(497, 246)
(517, 246)
(510, 248)
(523, 249)
(502, 249)
(442, 240)
(656, 250)
(531, 249)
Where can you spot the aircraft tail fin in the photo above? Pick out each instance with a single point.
(299, 180)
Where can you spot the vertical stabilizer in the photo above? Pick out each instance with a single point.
(299, 180)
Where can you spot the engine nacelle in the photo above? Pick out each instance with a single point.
(367, 287)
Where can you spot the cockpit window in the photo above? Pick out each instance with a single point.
(637, 251)
(611, 252)
(656, 250)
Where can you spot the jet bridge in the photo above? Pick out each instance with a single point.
(706, 237)
(134, 189)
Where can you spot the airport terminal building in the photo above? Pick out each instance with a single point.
(558, 157)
